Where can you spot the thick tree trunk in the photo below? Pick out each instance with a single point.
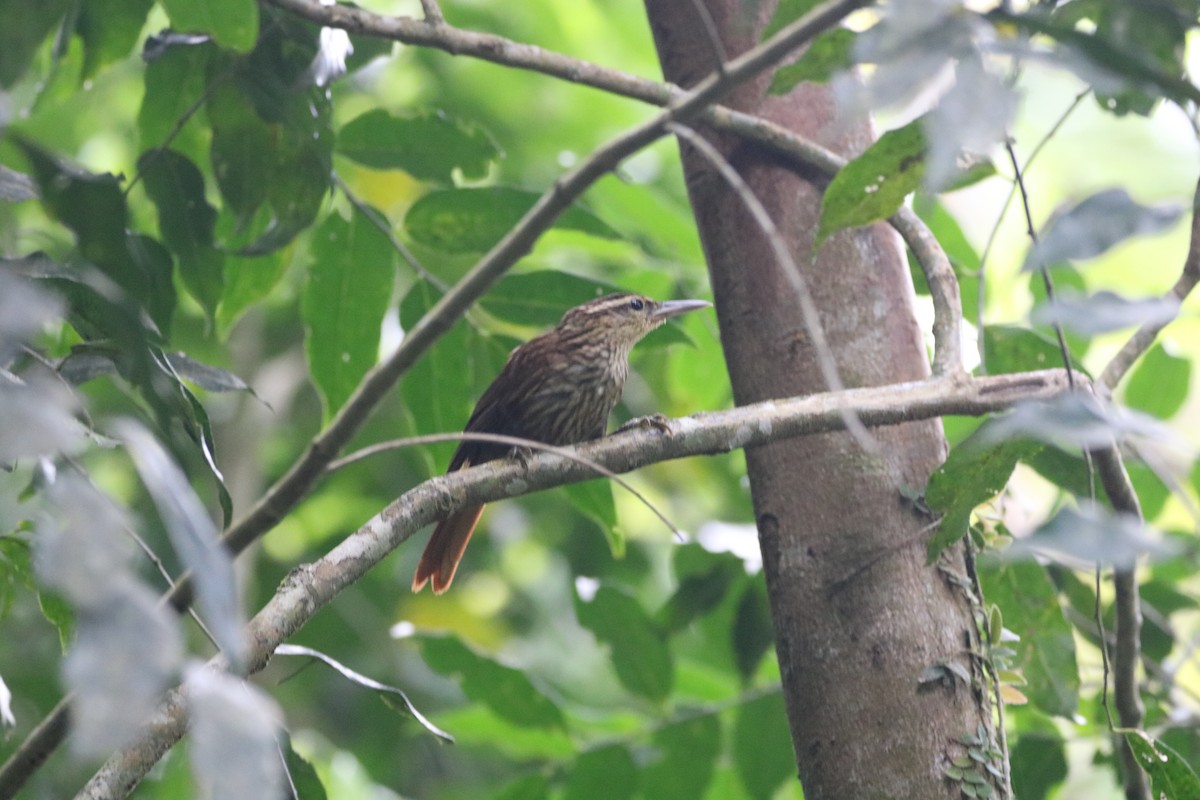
(858, 616)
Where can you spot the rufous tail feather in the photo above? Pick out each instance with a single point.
(445, 549)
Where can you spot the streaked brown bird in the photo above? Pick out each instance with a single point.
(557, 389)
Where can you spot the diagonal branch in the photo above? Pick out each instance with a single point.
(311, 586)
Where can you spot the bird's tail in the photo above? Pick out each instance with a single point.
(445, 549)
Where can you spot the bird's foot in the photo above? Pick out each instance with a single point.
(657, 422)
(521, 455)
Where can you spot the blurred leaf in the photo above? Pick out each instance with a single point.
(38, 420)
(1159, 383)
(541, 298)
(305, 783)
(873, 186)
(699, 593)
(473, 220)
(1170, 775)
(156, 266)
(975, 471)
(1073, 419)
(1065, 280)
(831, 52)
(606, 773)
(1093, 226)
(231, 23)
(24, 26)
(186, 221)
(345, 298)
(969, 119)
(109, 30)
(1103, 312)
(1091, 534)
(527, 787)
(427, 145)
(1151, 492)
(752, 634)
(233, 736)
(194, 538)
(175, 80)
(364, 681)
(640, 655)
(1156, 32)
(762, 745)
(206, 376)
(506, 691)
(688, 754)
(1046, 650)
(16, 187)
(963, 257)
(1065, 470)
(595, 500)
(248, 281)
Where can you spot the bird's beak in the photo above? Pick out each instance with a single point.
(673, 308)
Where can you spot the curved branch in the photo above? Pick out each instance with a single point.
(309, 587)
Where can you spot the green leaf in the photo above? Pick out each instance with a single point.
(873, 186)
(427, 145)
(541, 298)
(640, 655)
(1157, 33)
(1046, 651)
(231, 23)
(305, 782)
(1010, 349)
(348, 290)
(504, 690)
(699, 593)
(175, 81)
(247, 281)
(762, 746)
(1170, 775)
(24, 26)
(527, 787)
(972, 474)
(187, 222)
(1159, 383)
(595, 500)
(473, 220)
(963, 257)
(829, 53)
(787, 12)
(607, 773)
(109, 30)
(1039, 764)
(752, 633)
(688, 752)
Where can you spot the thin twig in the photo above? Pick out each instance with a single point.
(712, 35)
(513, 441)
(810, 315)
(432, 12)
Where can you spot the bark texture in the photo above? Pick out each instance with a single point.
(858, 616)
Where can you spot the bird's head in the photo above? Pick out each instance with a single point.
(623, 318)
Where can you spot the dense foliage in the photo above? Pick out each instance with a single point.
(206, 242)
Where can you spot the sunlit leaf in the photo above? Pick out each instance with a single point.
(473, 220)
(595, 500)
(527, 787)
(1093, 226)
(787, 12)
(427, 145)
(830, 52)
(506, 691)
(541, 298)
(640, 655)
(1011, 349)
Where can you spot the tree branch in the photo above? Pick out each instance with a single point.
(311, 586)
(943, 285)
(304, 473)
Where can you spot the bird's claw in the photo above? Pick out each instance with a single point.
(521, 455)
(657, 422)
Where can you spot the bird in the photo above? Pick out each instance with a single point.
(557, 389)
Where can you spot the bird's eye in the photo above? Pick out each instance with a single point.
(636, 304)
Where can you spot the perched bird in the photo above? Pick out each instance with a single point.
(557, 389)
